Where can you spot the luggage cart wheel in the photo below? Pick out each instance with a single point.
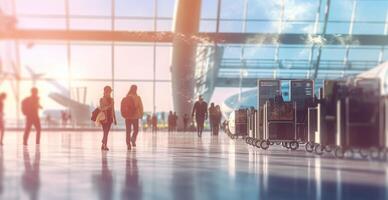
(339, 152)
(383, 154)
(252, 141)
(349, 153)
(257, 143)
(364, 153)
(264, 144)
(294, 145)
(309, 147)
(285, 144)
(319, 149)
(247, 140)
(374, 153)
(328, 148)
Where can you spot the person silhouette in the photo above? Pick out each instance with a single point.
(30, 108)
(135, 112)
(211, 116)
(3, 96)
(185, 122)
(107, 107)
(217, 120)
(170, 120)
(175, 122)
(154, 120)
(200, 113)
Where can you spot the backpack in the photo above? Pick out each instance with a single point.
(127, 108)
(25, 106)
(95, 114)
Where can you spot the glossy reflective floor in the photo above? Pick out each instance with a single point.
(177, 166)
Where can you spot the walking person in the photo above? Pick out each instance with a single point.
(170, 121)
(154, 120)
(30, 109)
(211, 116)
(149, 121)
(107, 107)
(134, 105)
(212, 113)
(3, 96)
(217, 120)
(200, 112)
(175, 122)
(185, 122)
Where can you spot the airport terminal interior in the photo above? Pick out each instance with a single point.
(194, 99)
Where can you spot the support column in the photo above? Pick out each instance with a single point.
(186, 23)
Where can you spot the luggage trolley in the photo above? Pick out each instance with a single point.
(359, 127)
(312, 128)
(302, 93)
(252, 114)
(384, 123)
(280, 125)
(326, 114)
(266, 89)
(241, 124)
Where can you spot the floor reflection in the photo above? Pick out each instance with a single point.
(1, 170)
(31, 174)
(132, 188)
(103, 182)
(180, 166)
(298, 183)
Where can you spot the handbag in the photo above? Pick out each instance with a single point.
(100, 118)
(95, 114)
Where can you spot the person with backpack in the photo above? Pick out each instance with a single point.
(108, 110)
(200, 112)
(132, 111)
(30, 109)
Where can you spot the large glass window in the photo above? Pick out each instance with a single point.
(40, 7)
(143, 8)
(91, 61)
(90, 7)
(134, 62)
(86, 67)
(163, 62)
(44, 60)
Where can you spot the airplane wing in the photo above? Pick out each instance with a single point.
(80, 112)
(63, 91)
(66, 101)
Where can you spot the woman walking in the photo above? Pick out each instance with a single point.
(135, 107)
(107, 108)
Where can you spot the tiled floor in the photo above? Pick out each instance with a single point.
(177, 166)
